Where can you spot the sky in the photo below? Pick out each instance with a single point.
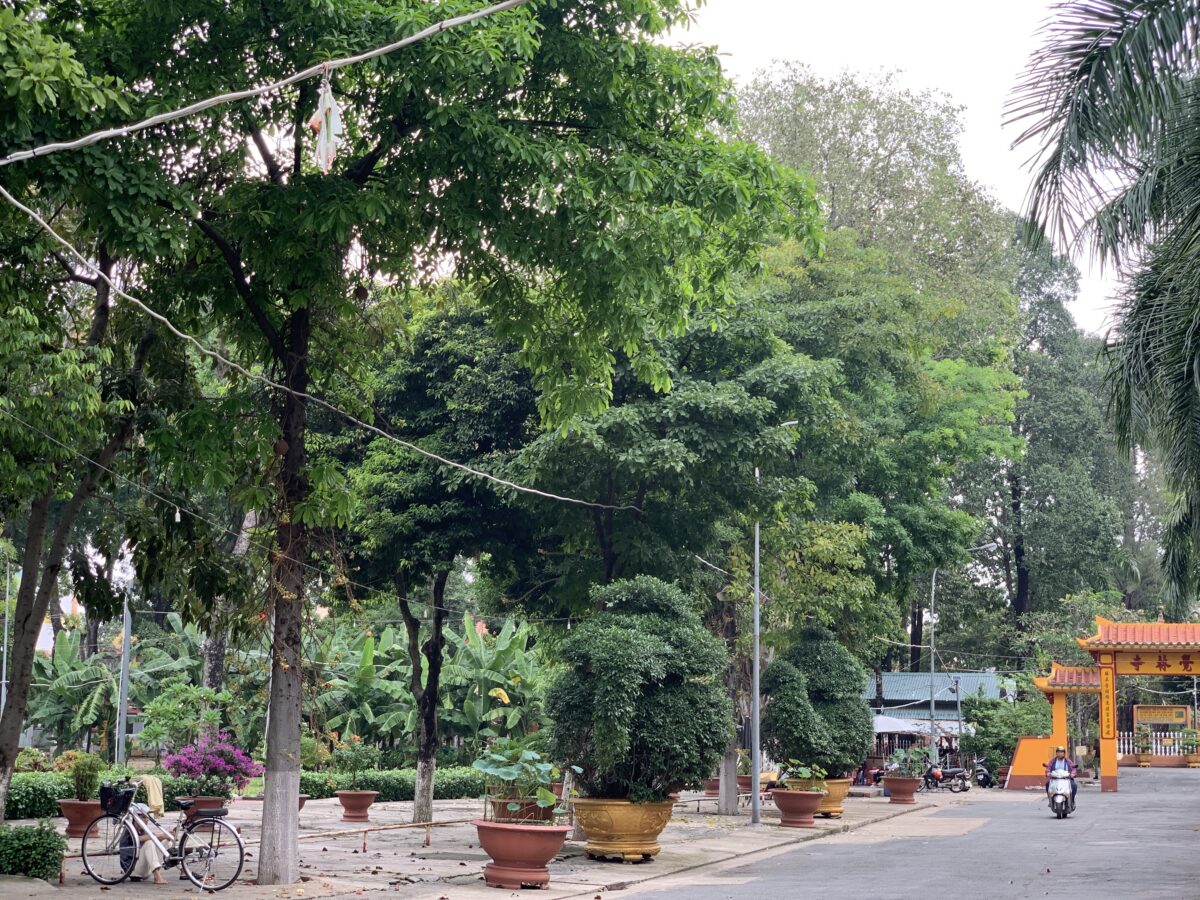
(974, 51)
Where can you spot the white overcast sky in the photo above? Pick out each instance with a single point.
(972, 50)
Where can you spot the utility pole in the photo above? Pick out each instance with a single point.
(123, 694)
(958, 703)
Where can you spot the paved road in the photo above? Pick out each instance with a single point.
(1141, 842)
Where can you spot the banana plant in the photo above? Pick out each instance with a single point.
(361, 685)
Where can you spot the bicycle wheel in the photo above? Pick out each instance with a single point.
(212, 854)
(109, 849)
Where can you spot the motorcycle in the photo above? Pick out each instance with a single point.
(1059, 795)
(983, 777)
(937, 777)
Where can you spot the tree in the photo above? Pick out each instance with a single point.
(1109, 103)
(556, 157)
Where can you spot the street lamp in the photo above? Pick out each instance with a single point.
(755, 699)
(990, 545)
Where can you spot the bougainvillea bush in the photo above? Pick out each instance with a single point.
(214, 764)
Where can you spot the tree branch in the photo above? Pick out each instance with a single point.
(72, 275)
(273, 170)
(298, 128)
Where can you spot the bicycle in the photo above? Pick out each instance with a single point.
(209, 850)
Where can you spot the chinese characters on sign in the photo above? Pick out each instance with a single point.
(1108, 697)
(1164, 662)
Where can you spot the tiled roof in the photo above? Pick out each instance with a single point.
(1140, 635)
(1073, 677)
(903, 687)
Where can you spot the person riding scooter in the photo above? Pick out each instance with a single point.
(1060, 763)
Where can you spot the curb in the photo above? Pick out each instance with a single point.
(625, 883)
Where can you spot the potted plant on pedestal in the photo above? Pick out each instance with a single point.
(355, 757)
(1143, 743)
(814, 712)
(904, 775)
(1189, 746)
(744, 773)
(798, 802)
(519, 833)
(85, 781)
(639, 707)
(213, 768)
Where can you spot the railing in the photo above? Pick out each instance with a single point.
(1162, 744)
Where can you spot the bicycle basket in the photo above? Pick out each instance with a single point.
(115, 799)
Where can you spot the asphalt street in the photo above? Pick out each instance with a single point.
(1141, 842)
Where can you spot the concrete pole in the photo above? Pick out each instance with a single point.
(123, 692)
(755, 702)
(958, 704)
(932, 666)
(4, 664)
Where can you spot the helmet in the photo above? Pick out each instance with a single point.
(1060, 749)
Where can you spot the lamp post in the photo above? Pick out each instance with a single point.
(991, 545)
(755, 699)
(957, 679)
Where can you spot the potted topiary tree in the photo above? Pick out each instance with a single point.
(520, 836)
(905, 773)
(801, 795)
(640, 709)
(1189, 746)
(210, 770)
(85, 781)
(355, 757)
(814, 711)
(1143, 743)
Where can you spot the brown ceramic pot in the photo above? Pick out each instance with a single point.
(527, 810)
(796, 808)
(712, 787)
(80, 814)
(355, 804)
(743, 783)
(519, 852)
(902, 789)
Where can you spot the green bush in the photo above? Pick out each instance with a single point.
(85, 775)
(999, 724)
(35, 795)
(32, 850)
(318, 785)
(31, 759)
(313, 753)
(640, 706)
(395, 784)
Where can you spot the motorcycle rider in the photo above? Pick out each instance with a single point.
(1059, 762)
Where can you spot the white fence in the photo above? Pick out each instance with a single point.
(1163, 744)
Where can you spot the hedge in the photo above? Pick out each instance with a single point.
(396, 784)
(35, 795)
(32, 850)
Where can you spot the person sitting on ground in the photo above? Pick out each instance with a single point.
(1060, 763)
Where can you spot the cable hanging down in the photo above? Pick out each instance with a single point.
(234, 96)
(303, 395)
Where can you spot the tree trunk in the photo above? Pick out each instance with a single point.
(279, 850)
(426, 694)
(727, 801)
(879, 698)
(916, 637)
(56, 624)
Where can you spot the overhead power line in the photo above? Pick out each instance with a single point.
(249, 93)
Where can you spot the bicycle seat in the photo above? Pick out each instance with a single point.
(184, 804)
(211, 813)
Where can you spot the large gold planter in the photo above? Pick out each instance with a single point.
(837, 788)
(618, 828)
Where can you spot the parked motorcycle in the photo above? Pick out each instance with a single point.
(1059, 796)
(938, 777)
(983, 776)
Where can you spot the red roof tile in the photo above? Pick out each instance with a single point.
(1074, 677)
(1143, 634)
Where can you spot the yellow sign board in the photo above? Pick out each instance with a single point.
(1163, 715)
(1108, 712)
(1160, 662)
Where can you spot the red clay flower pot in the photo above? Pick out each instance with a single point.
(902, 789)
(712, 787)
(519, 852)
(355, 804)
(797, 808)
(743, 783)
(80, 814)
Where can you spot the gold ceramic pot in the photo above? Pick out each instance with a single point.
(836, 791)
(618, 828)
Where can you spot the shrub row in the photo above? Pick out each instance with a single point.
(35, 795)
(395, 784)
(32, 850)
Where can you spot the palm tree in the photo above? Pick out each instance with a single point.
(1112, 101)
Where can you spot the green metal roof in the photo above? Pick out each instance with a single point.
(906, 687)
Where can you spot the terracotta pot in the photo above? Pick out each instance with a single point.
(303, 798)
(743, 783)
(80, 814)
(712, 787)
(519, 852)
(796, 808)
(902, 789)
(618, 828)
(202, 802)
(556, 789)
(355, 804)
(1193, 760)
(527, 810)
(1143, 759)
(836, 790)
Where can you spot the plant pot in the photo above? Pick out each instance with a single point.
(902, 788)
(80, 814)
(519, 852)
(303, 798)
(836, 790)
(796, 808)
(712, 787)
(355, 804)
(1193, 760)
(204, 801)
(743, 783)
(1143, 759)
(618, 828)
(527, 810)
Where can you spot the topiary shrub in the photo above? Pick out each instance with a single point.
(85, 776)
(454, 783)
(318, 785)
(35, 795)
(35, 851)
(814, 712)
(31, 759)
(639, 705)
